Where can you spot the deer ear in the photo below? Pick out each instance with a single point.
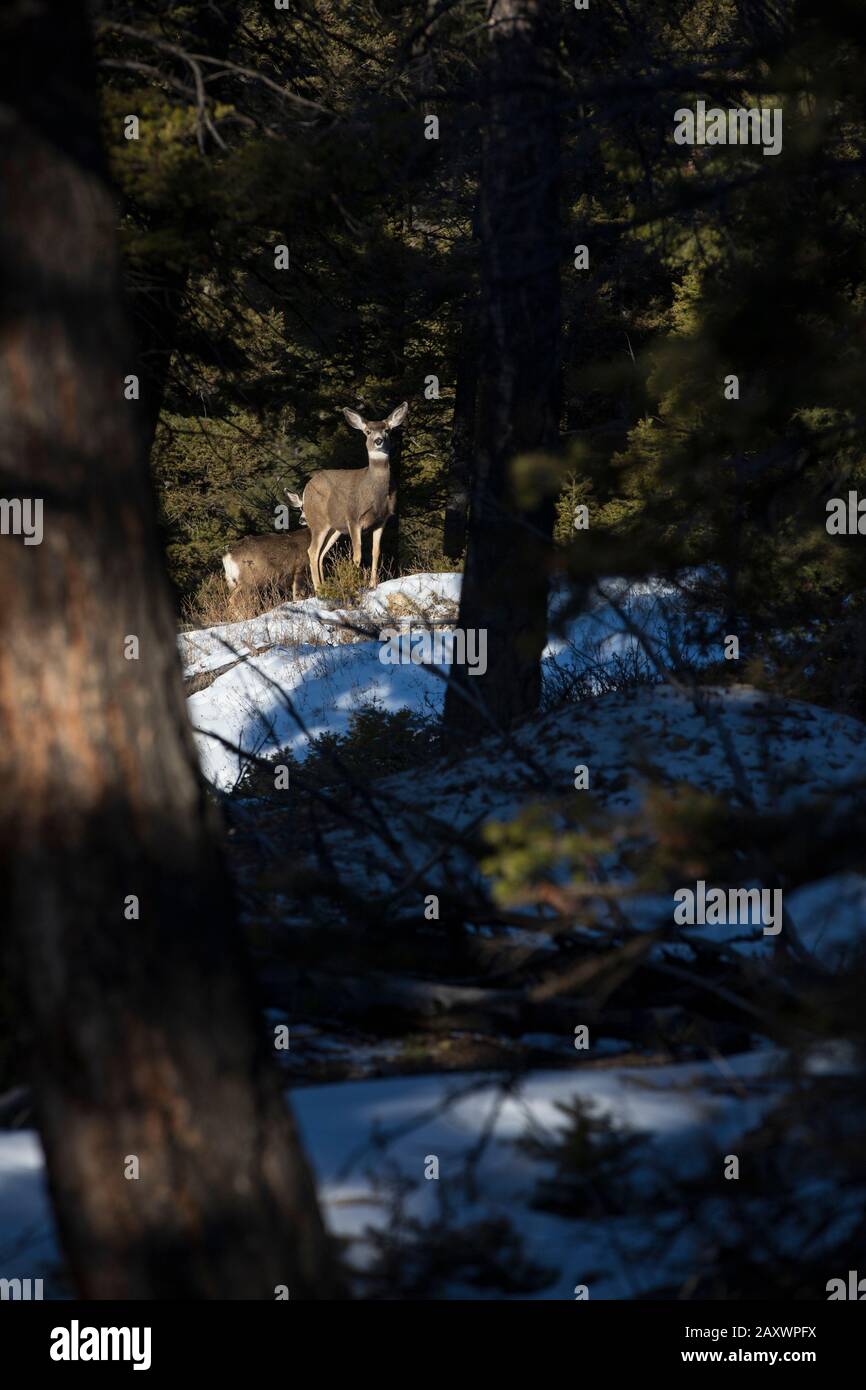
(398, 416)
(354, 418)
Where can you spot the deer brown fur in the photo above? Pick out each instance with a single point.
(348, 501)
(276, 558)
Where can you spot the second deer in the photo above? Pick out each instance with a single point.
(348, 501)
(276, 559)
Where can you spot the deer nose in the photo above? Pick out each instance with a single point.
(379, 441)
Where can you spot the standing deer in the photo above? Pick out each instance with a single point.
(348, 501)
(259, 560)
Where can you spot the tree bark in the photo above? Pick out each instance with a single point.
(145, 1039)
(505, 586)
(392, 359)
(156, 315)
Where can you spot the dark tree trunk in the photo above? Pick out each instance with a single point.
(156, 315)
(145, 1039)
(505, 586)
(462, 438)
(393, 371)
(391, 535)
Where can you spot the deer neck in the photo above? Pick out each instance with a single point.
(379, 467)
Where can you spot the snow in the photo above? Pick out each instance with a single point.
(731, 742)
(735, 743)
(290, 624)
(830, 917)
(287, 696)
(435, 595)
(363, 1135)
(28, 1244)
(306, 667)
(317, 665)
(313, 621)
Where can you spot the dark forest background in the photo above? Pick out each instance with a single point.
(307, 128)
(561, 292)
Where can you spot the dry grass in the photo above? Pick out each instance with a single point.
(344, 582)
(213, 603)
(432, 612)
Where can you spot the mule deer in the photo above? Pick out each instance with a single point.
(276, 558)
(348, 501)
(296, 501)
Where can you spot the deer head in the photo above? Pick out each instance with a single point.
(296, 501)
(378, 432)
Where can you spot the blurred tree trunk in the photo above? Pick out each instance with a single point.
(156, 314)
(174, 1165)
(505, 586)
(393, 370)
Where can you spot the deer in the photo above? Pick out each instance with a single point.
(348, 501)
(296, 501)
(274, 558)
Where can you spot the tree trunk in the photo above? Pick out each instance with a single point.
(392, 370)
(505, 586)
(173, 1163)
(156, 315)
(462, 438)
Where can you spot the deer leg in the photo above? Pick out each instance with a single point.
(315, 553)
(237, 596)
(332, 540)
(355, 533)
(377, 540)
(312, 552)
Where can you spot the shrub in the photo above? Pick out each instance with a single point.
(377, 743)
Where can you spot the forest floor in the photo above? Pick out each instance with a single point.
(523, 1094)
